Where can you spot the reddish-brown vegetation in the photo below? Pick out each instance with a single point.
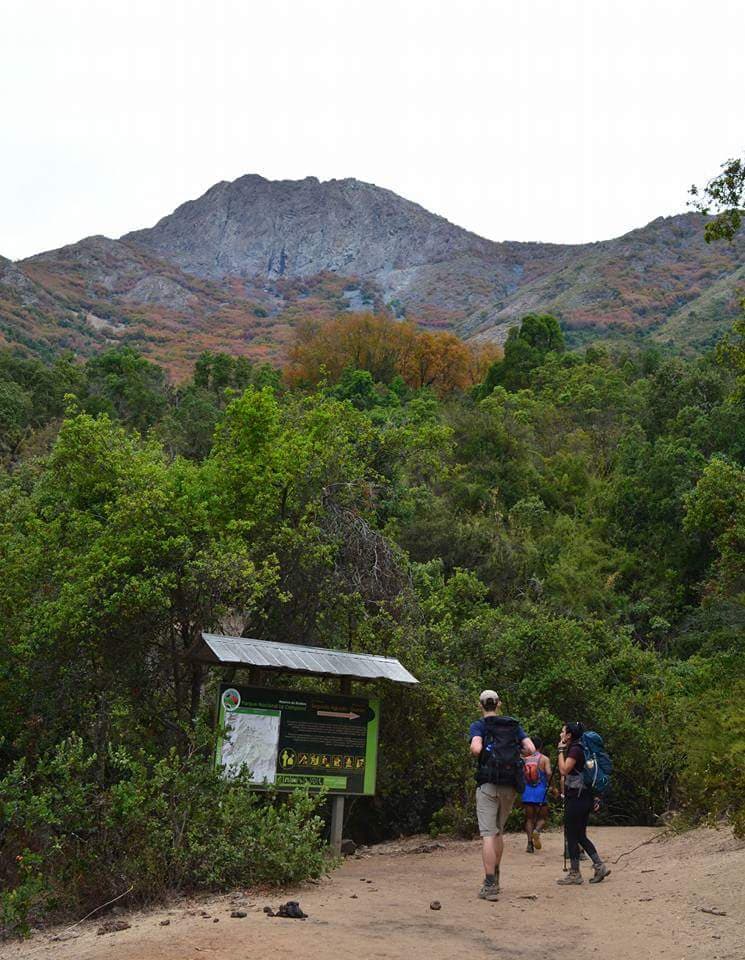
(386, 348)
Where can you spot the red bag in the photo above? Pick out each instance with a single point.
(532, 769)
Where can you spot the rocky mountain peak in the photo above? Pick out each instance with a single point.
(254, 227)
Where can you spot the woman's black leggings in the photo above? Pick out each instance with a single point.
(577, 813)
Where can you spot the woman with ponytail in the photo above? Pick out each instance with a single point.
(579, 801)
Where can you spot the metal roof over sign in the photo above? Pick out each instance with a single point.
(317, 661)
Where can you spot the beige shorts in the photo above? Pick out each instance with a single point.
(493, 805)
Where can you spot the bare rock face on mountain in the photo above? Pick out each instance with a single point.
(254, 227)
(298, 228)
(12, 278)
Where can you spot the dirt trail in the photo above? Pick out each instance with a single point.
(651, 907)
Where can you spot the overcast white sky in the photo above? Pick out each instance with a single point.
(562, 120)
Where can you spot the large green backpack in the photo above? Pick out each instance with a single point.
(598, 765)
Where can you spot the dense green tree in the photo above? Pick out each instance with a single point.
(115, 564)
(16, 406)
(123, 384)
(360, 389)
(189, 425)
(32, 394)
(716, 511)
(219, 371)
(525, 349)
(731, 354)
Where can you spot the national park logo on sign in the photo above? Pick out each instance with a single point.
(231, 699)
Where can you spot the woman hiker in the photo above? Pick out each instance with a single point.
(578, 803)
(537, 773)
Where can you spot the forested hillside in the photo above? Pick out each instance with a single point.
(567, 527)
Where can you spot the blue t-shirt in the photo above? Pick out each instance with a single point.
(478, 729)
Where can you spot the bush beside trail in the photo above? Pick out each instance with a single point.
(80, 829)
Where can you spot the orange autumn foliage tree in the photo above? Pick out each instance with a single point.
(386, 349)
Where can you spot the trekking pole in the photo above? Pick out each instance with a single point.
(564, 818)
(563, 812)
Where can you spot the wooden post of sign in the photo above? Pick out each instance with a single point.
(337, 801)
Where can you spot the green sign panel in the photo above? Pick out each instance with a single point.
(289, 738)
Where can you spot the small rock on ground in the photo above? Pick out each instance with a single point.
(291, 910)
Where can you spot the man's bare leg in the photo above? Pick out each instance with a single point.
(489, 854)
(492, 850)
(498, 851)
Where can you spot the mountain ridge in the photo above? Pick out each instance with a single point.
(237, 267)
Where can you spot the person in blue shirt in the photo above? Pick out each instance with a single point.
(498, 783)
(537, 772)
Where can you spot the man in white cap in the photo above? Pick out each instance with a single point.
(499, 743)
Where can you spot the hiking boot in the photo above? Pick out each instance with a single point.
(489, 891)
(601, 872)
(573, 878)
(537, 840)
(529, 848)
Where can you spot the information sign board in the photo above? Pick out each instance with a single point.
(292, 738)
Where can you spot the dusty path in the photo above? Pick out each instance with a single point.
(651, 907)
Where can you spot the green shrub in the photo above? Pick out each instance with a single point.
(80, 829)
(15, 904)
(712, 743)
(457, 818)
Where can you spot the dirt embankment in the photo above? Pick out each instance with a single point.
(677, 898)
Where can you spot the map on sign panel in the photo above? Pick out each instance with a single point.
(251, 740)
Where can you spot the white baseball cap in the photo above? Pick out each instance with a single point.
(488, 695)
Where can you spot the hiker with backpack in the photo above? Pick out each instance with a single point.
(586, 768)
(499, 743)
(537, 775)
